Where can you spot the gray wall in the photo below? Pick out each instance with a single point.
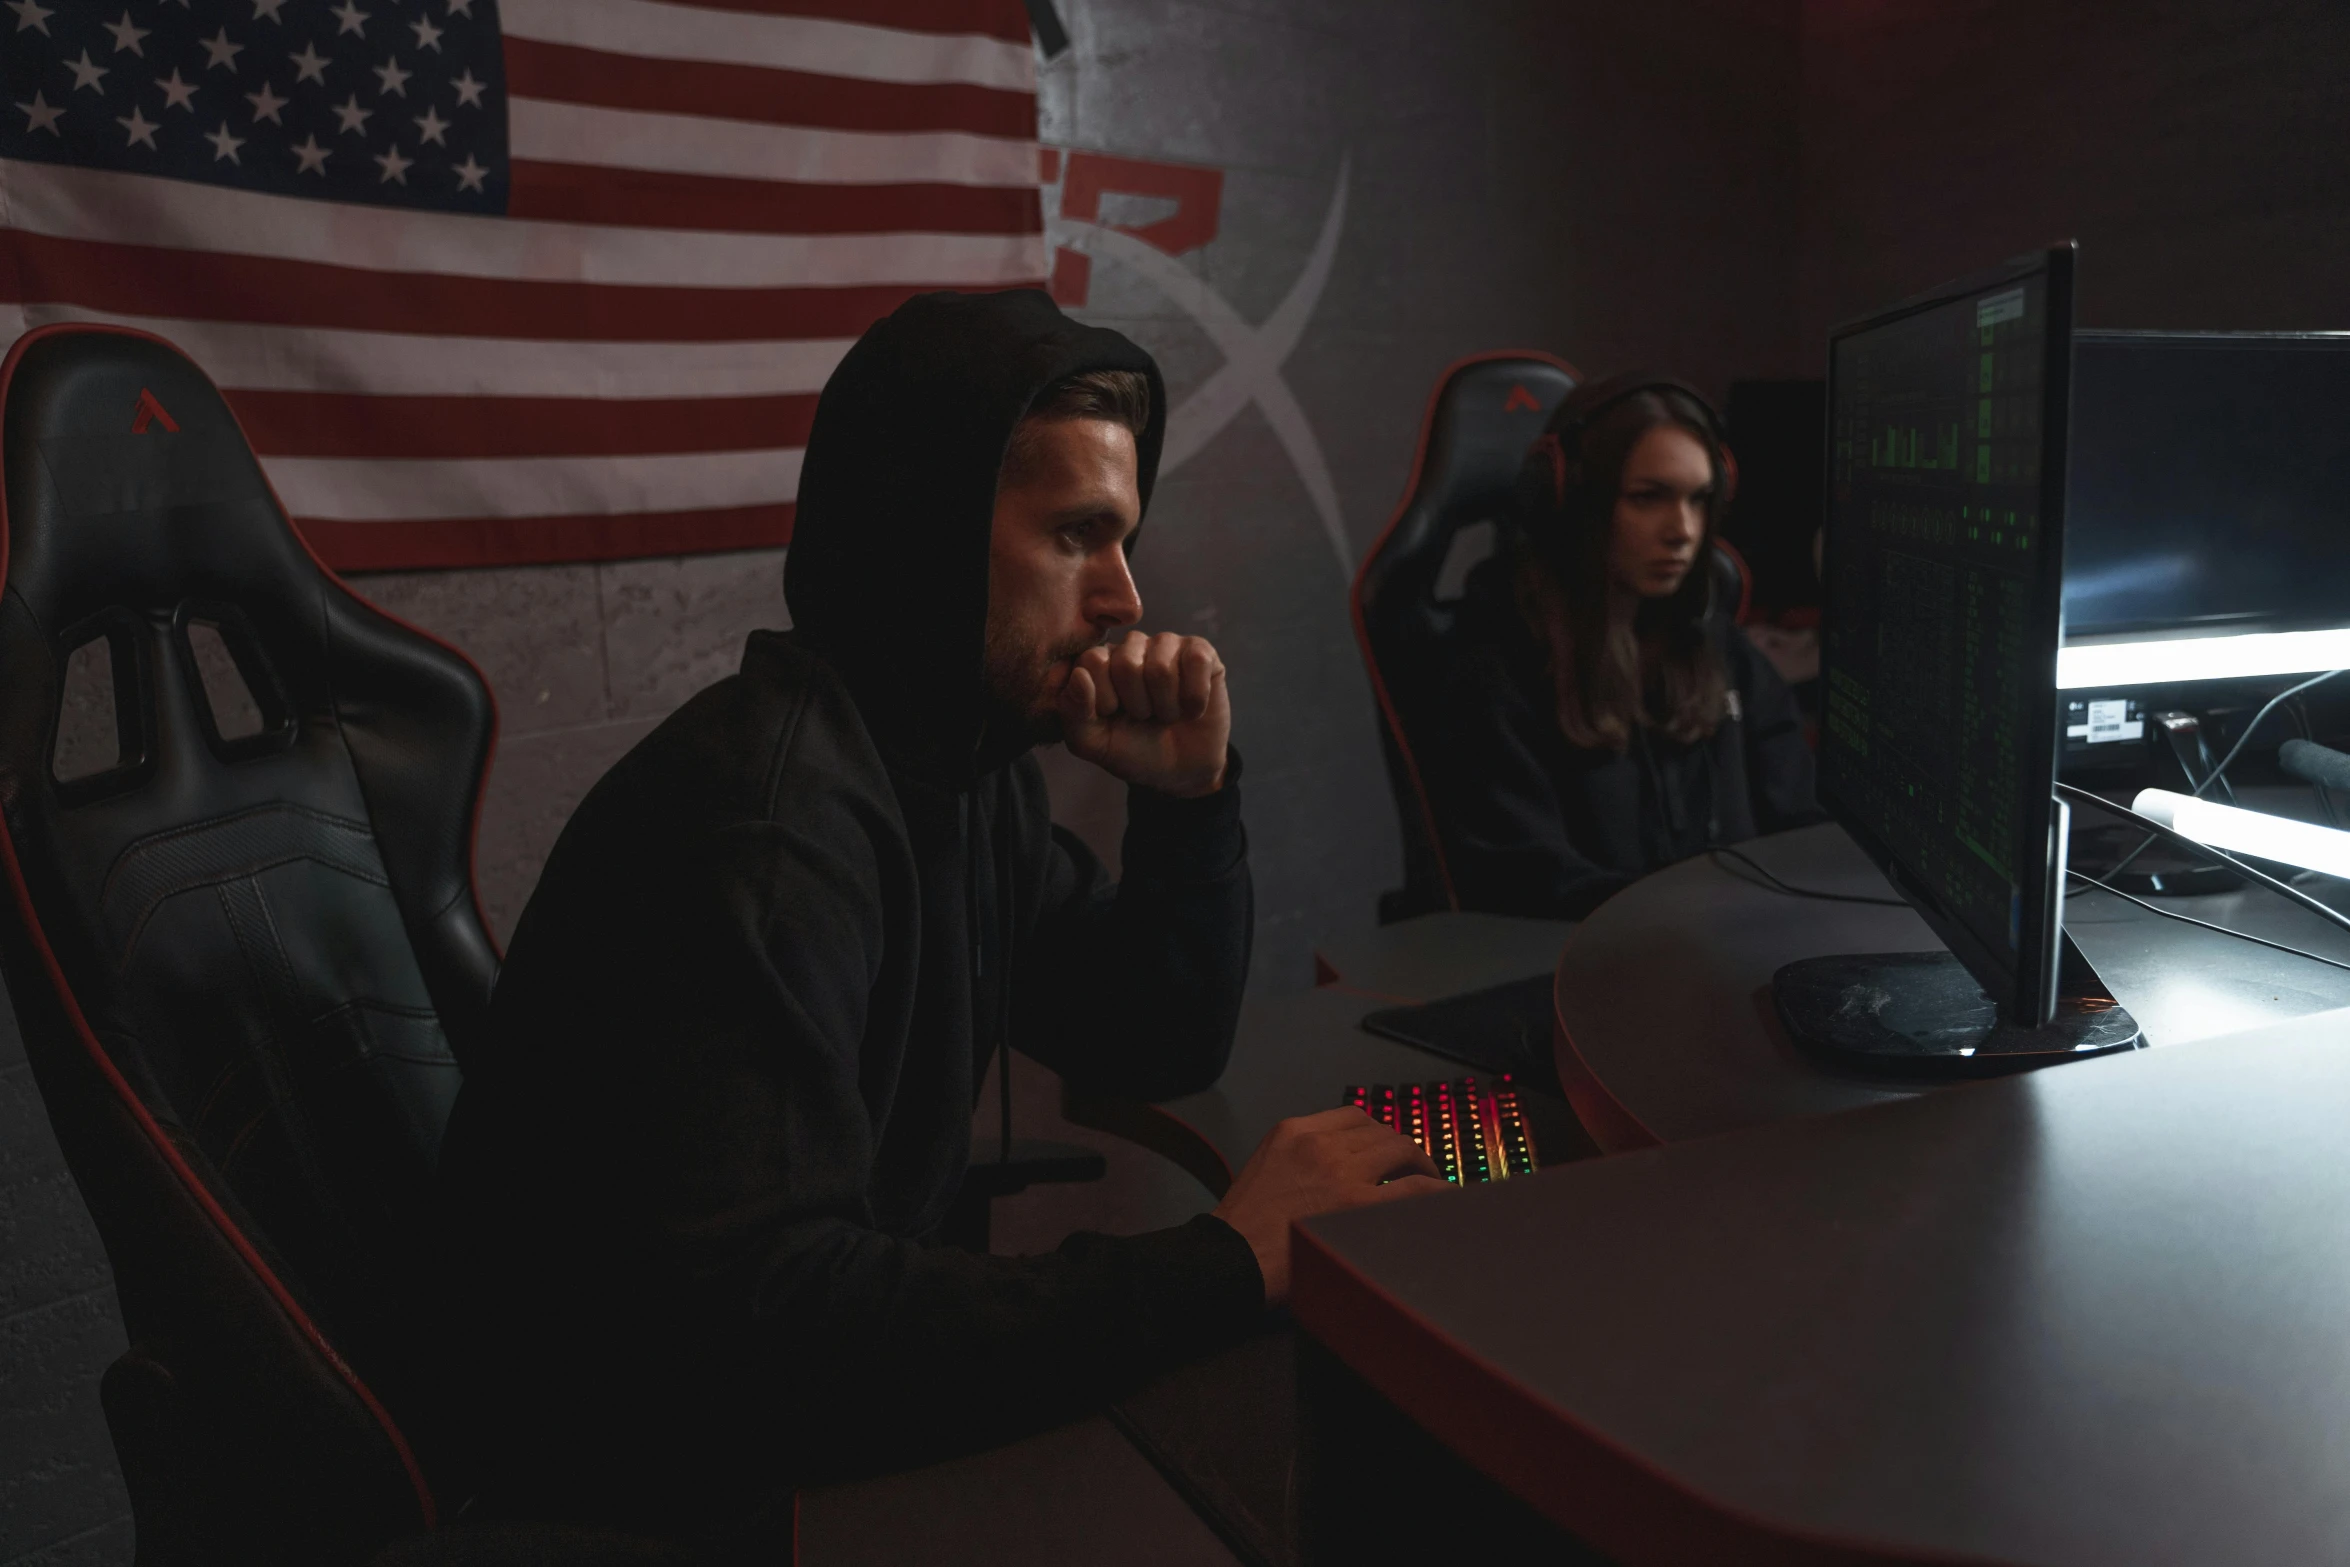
(2198, 151)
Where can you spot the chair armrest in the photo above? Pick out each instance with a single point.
(1033, 1162)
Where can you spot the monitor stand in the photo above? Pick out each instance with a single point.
(1921, 1014)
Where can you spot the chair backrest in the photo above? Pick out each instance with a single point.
(1485, 412)
(237, 807)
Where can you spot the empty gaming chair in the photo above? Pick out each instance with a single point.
(241, 938)
(1484, 414)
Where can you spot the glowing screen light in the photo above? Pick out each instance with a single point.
(2172, 659)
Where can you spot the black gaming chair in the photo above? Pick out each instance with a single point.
(1484, 414)
(236, 817)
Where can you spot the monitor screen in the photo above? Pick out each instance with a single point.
(2210, 483)
(1942, 619)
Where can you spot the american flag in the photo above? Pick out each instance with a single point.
(515, 280)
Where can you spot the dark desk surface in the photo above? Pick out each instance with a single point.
(2091, 1315)
(1295, 1053)
(1440, 955)
(1664, 992)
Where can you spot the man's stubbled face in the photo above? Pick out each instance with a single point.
(1057, 577)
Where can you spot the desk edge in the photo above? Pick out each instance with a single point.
(1576, 1477)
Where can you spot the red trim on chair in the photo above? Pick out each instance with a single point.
(189, 1179)
(1354, 595)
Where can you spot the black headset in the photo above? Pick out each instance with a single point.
(1556, 455)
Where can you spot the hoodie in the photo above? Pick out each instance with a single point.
(1536, 825)
(694, 1179)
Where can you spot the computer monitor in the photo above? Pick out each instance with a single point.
(2208, 512)
(1943, 615)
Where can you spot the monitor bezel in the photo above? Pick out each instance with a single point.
(2024, 986)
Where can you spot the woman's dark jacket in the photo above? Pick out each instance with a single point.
(693, 1184)
(1534, 824)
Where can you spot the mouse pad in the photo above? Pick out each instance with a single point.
(1504, 1029)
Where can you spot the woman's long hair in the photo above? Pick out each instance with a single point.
(1566, 512)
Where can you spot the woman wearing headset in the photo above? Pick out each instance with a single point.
(1608, 719)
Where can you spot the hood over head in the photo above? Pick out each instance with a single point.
(887, 573)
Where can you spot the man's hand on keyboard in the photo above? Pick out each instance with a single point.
(1319, 1164)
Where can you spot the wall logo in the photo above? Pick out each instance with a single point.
(1253, 355)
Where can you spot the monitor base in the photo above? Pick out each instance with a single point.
(1921, 1014)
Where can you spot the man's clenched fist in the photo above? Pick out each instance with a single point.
(1151, 710)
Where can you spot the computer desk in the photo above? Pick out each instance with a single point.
(1666, 990)
(1667, 1031)
(2089, 1315)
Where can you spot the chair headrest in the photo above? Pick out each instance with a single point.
(133, 514)
(129, 483)
(1481, 420)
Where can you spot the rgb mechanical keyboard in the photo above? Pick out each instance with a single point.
(1474, 1130)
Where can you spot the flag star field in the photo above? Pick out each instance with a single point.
(503, 281)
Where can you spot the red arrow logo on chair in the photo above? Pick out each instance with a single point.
(1521, 398)
(148, 412)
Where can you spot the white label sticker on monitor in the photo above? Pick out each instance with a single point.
(1998, 308)
(2112, 721)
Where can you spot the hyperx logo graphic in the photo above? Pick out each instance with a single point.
(1253, 355)
(147, 411)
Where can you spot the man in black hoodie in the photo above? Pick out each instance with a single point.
(694, 1183)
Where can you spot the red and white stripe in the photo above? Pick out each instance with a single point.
(709, 201)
